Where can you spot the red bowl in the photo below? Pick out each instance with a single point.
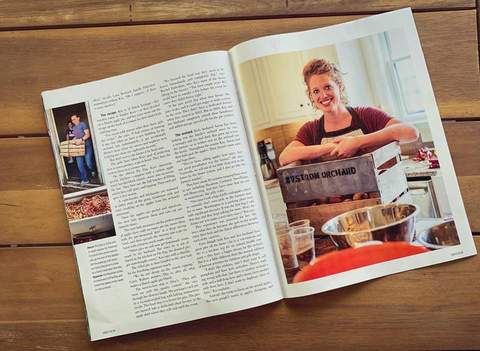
(345, 260)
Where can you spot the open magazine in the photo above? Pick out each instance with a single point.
(289, 165)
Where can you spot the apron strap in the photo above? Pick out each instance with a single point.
(356, 120)
(355, 124)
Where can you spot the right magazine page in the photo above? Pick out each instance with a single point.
(351, 155)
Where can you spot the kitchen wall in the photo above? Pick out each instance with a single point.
(281, 135)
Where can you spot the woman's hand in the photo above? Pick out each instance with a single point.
(346, 146)
(78, 141)
(329, 147)
(296, 151)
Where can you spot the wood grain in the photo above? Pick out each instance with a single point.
(149, 10)
(31, 207)
(31, 13)
(33, 276)
(470, 190)
(34, 13)
(41, 306)
(38, 60)
(27, 164)
(462, 139)
(451, 65)
(339, 6)
(33, 217)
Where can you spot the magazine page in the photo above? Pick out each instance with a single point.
(356, 173)
(160, 194)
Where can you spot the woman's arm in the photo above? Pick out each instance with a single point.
(393, 131)
(296, 151)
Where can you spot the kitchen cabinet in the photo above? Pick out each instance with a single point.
(274, 89)
(284, 92)
(251, 88)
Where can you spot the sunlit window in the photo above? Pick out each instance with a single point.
(403, 76)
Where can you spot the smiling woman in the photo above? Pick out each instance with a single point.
(342, 131)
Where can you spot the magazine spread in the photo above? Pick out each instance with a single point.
(290, 165)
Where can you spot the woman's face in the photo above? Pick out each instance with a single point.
(324, 92)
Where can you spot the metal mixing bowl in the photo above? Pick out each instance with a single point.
(390, 222)
(440, 236)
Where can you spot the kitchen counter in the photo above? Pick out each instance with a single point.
(418, 168)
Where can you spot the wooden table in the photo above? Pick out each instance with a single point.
(50, 44)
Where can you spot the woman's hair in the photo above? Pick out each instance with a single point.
(322, 66)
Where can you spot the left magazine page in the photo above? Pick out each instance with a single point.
(160, 195)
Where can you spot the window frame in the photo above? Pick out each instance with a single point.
(395, 82)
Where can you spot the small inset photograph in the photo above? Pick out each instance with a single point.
(89, 217)
(86, 199)
(74, 147)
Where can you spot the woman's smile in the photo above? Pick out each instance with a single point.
(326, 101)
(324, 92)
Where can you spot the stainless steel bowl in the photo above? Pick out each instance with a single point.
(440, 236)
(391, 222)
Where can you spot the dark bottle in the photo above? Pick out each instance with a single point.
(266, 165)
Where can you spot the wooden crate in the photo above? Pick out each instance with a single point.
(378, 171)
(68, 148)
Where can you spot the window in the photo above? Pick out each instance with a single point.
(402, 76)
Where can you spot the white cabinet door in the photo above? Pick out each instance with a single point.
(285, 92)
(253, 93)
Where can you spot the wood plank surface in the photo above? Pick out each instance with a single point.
(339, 6)
(38, 60)
(33, 276)
(41, 306)
(32, 210)
(34, 13)
(462, 139)
(470, 190)
(428, 308)
(150, 10)
(36, 217)
(27, 164)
